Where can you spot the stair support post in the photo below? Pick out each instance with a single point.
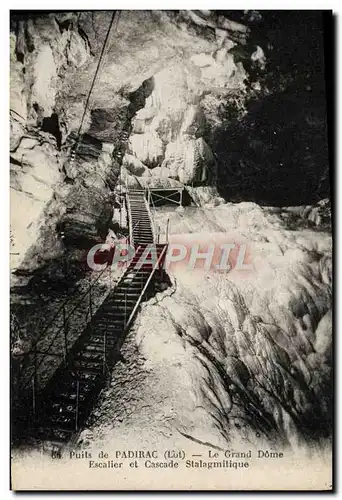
(167, 230)
(77, 403)
(104, 351)
(65, 331)
(34, 386)
(125, 307)
(90, 304)
(34, 398)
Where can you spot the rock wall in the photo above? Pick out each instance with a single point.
(149, 105)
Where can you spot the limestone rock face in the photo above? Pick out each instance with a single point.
(193, 122)
(148, 148)
(37, 168)
(173, 118)
(189, 160)
(44, 86)
(133, 165)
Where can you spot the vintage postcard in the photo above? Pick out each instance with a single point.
(171, 250)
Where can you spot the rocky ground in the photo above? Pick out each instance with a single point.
(230, 357)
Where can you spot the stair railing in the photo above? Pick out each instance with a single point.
(130, 319)
(24, 377)
(130, 222)
(105, 368)
(15, 328)
(63, 329)
(148, 203)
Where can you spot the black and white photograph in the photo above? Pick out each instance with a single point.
(171, 250)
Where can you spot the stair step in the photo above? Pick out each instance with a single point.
(138, 259)
(67, 385)
(87, 366)
(53, 434)
(130, 296)
(90, 355)
(56, 408)
(109, 328)
(136, 273)
(134, 267)
(131, 276)
(95, 348)
(134, 289)
(99, 342)
(64, 423)
(135, 285)
(112, 321)
(85, 375)
(69, 398)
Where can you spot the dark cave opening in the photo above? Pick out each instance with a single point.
(51, 126)
(277, 154)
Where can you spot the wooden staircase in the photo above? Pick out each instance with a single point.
(64, 404)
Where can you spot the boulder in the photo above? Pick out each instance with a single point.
(133, 165)
(162, 125)
(189, 160)
(193, 122)
(148, 148)
(128, 179)
(161, 172)
(77, 50)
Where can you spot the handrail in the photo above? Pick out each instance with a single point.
(131, 238)
(14, 327)
(69, 299)
(135, 225)
(147, 203)
(46, 352)
(144, 289)
(62, 306)
(65, 320)
(153, 215)
(79, 302)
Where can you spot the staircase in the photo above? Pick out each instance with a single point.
(140, 220)
(64, 404)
